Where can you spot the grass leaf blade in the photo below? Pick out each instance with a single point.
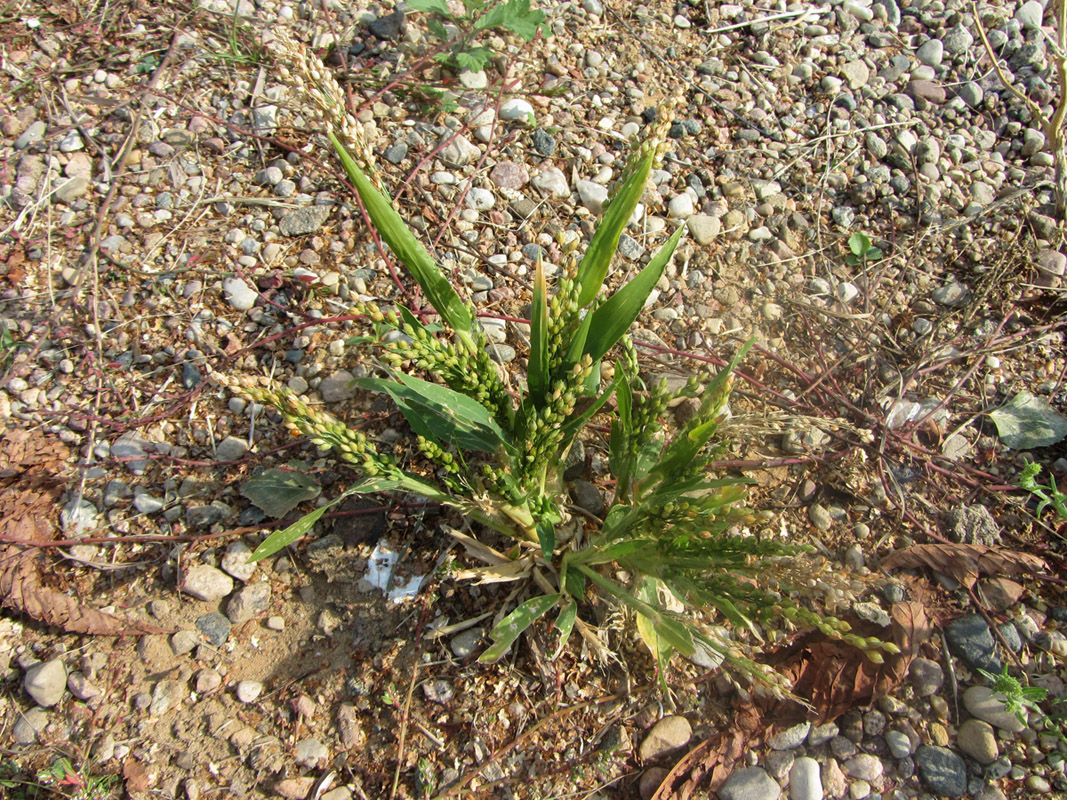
(511, 627)
(537, 378)
(614, 317)
(396, 233)
(597, 259)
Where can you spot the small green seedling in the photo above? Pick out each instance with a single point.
(862, 250)
(1047, 494)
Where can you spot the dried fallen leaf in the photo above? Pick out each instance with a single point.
(31, 466)
(135, 775)
(832, 677)
(965, 562)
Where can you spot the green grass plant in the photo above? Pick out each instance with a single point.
(674, 547)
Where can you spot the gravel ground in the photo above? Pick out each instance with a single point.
(170, 209)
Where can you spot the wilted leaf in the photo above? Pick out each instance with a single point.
(1027, 422)
(831, 677)
(279, 491)
(31, 468)
(965, 562)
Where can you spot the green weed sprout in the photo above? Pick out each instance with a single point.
(673, 540)
(1047, 494)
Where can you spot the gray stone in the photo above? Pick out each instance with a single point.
(544, 142)
(821, 734)
(336, 388)
(78, 517)
(248, 691)
(309, 752)
(205, 516)
(235, 561)
(165, 696)
(215, 628)
(389, 26)
(957, 40)
(926, 676)
(970, 638)
(666, 737)
(856, 73)
(1033, 141)
(248, 602)
(480, 199)
(587, 496)
(239, 294)
(899, 744)
(930, 52)
(182, 642)
(942, 771)
(396, 153)
(302, 221)
(805, 782)
(147, 504)
(230, 449)
(473, 80)
(464, 643)
(973, 525)
(30, 724)
(630, 248)
(31, 136)
(680, 206)
(1031, 14)
(459, 151)
(750, 784)
(592, 195)
(865, 766)
(438, 691)
(72, 189)
(952, 294)
(205, 582)
(981, 702)
(45, 682)
(791, 737)
(516, 109)
(704, 228)
(552, 182)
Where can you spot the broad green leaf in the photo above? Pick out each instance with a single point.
(537, 377)
(648, 591)
(573, 582)
(546, 537)
(441, 414)
(279, 491)
(437, 28)
(674, 633)
(511, 627)
(396, 233)
(565, 624)
(597, 259)
(1026, 422)
(859, 244)
(435, 6)
(515, 15)
(615, 316)
(473, 59)
(279, 540)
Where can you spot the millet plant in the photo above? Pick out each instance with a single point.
(674, 543)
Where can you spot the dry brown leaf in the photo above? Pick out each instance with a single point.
(135, 775)
(30, 489)
(831, 677)
(707, 766)
(965, 562)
